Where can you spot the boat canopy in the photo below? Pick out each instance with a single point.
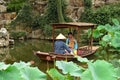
(81, 25)
(78, 25)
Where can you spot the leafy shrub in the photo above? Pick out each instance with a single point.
(20, 71)
(109, 37)
(101, 15)
(87, 3)
(15, 5)
(17, 35)
(51, 14)
(24, 17)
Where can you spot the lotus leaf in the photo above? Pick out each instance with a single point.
(55, 75)
(29, 73)
(3, 66)
(11, 73)
(115, 21)
(109, 28)
(82, 59)
(118, 72)
(99, 70)
(21, 64)
(69, 68)
(115, 42)
(20, 71)
(97, 34)
(100, 27)
(106, 38)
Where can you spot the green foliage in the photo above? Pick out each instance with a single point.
(56, 13)
(38, 22)
(101, 15)
(21, 71)
(97, 71)
(55, 75)
(15, 5)
(47, 30)
(25, 16)
(51, 12)
(94, 71)
(109, 37)
(69, 68)
(59, 11)
(88, 3)
(17, 35)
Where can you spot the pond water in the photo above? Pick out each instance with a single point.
(23, 51)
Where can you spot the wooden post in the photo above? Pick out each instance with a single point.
(78, 35)
(91, 39)
(53, 32)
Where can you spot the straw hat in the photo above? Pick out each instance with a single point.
(60, 36)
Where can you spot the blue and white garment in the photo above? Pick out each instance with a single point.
(60, 47)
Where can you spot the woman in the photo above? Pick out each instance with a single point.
(60, 47)
(72, 43)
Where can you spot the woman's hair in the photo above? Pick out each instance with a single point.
(70, 33)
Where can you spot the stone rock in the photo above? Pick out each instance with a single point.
(74, 9)
(3, 8)
(98, 3)
(35, 34)
(4, 37)
(112, 1)
(2, 2)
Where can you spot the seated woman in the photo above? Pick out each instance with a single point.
(72, 43)
(60, 47)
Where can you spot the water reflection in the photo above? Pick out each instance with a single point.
(5, 55)
(23, 51)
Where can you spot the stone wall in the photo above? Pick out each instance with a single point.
(5, 19)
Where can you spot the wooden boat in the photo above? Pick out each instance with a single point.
(82, 51)
(51, 56)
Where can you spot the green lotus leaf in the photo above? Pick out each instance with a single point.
(21, 65)
(100, 27)
(30, 73)
(3, 66)
(55, 75)
(115, 21)
(115, 42)
(109, 28)
(69, 68)
(99, 70)
(11, 73)
(103, 43)
(84, 60)
(118, 72)
(106, 38)
(97, 34)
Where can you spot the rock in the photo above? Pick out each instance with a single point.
(2, 2)
(4, 37)
(74, 9)
(3, 8)
(98, 3)
(112, 1)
